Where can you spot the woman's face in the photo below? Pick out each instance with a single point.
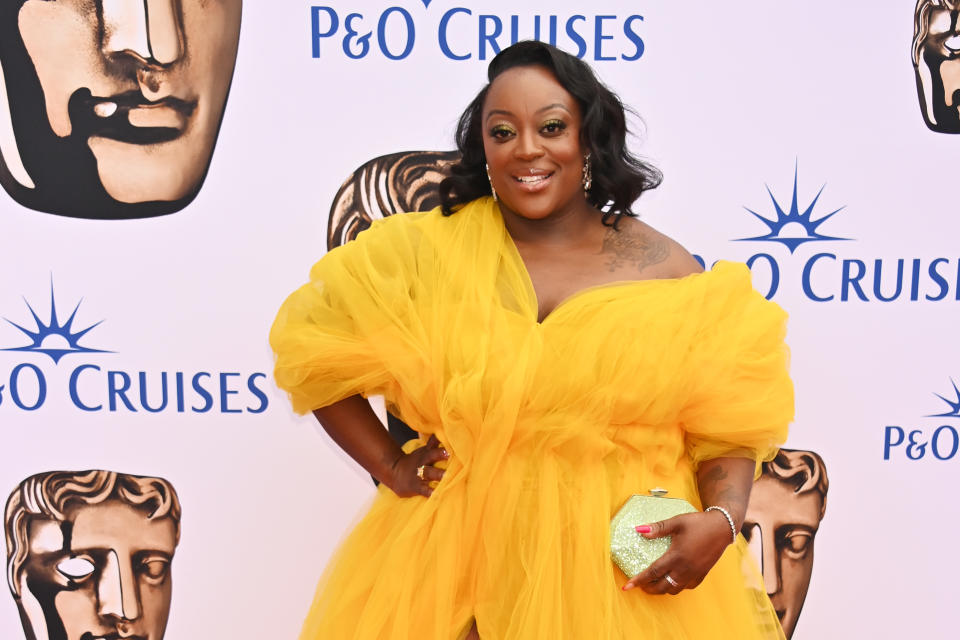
(532, 143)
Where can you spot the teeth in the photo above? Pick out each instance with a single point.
(105, 109)
(532, 179)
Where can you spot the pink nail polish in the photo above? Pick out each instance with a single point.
(643, 528)
(627, 587)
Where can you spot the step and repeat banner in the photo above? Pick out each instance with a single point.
(172, 168)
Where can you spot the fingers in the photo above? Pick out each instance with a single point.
(673, 586)
(427, 474)
(432, 474)
(424, 489)
(658, 580)
(650, 576)
(419, 474)
(669, 574)
(432, 455)
(660, 529)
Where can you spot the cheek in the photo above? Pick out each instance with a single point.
(77, 610)
(60, 39)
(567, 152)
(155, 603)
(795, 576)
(495, 154)
(211, 32)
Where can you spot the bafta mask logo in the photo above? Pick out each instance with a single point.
(936, 60)
(111, 109)
(387, 185)
(787, 504)
(89, 554)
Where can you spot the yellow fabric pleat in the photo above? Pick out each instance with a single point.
(551, 426)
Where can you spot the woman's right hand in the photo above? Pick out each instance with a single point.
(404, 478)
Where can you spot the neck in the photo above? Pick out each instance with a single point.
(568, 226)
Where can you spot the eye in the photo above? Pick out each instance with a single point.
(501, 132)
(553, 127)
(154, 568)
(76, 569)
(797, 542)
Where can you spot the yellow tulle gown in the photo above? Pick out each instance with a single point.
(551, 426)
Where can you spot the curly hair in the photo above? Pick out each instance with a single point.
(803, 471)
(50, 495)
(618, 177)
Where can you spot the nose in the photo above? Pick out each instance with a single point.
(148, 30)
(117, 590)
(771, 561)
(528, 146)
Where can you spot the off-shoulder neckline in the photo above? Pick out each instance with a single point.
(585, 291)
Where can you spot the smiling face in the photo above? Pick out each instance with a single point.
(532, 143)
(780, 527)
(103, 574)
(937, 63)
(139, 85)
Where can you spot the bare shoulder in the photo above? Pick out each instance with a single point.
(638, 245)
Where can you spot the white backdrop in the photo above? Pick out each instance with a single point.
(733, 97)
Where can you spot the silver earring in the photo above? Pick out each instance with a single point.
(587, 180)
(493, 191)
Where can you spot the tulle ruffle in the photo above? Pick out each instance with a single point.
(551, 427)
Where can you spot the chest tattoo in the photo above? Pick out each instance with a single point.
(622, 248)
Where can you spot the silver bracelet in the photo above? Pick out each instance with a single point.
(726, 514)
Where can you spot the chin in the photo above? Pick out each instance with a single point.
(788, 622)
(533, 208)
(132, 174)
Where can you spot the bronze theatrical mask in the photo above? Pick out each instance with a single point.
(115, 105)
(89, 554)
(384, 186)
(936, 60)
(787, 504)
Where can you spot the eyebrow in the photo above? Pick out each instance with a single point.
(503, 112)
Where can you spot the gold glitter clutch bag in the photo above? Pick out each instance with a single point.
(631, 551)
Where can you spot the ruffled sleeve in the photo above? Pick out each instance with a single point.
(741, 399)
(342, 333)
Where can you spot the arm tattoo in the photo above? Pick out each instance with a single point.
(716, 487)
(638, 249)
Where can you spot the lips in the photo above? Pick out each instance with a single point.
(129, 117)
(533, 180)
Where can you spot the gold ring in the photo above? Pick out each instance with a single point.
(420, 471)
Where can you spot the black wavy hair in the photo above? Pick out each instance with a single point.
(618, 177)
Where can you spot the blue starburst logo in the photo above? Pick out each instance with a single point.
(54, 338)
(794, 227)
(953, 404)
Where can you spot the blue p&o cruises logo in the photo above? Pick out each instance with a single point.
(784, 227)
(395, 32)
(93, 388)
(831, 276)
(53, 338)
(941, 442)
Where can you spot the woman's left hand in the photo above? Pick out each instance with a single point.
(698, 541)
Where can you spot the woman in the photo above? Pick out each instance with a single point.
(566, 357)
